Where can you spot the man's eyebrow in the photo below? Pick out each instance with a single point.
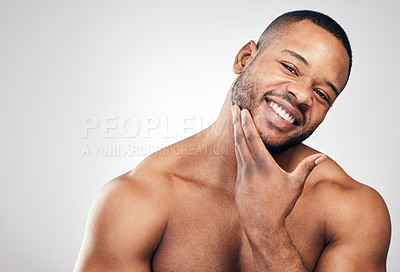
(333, 88)
(296, 55)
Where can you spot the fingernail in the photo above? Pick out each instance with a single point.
(234, 111)
(319, 160)
(243, 114)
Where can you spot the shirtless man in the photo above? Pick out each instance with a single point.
(219, 201)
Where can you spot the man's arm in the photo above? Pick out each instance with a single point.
(124, 228)
(359, 226)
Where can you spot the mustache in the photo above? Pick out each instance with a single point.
(288, 99)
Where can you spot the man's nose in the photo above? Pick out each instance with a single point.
(302, 93)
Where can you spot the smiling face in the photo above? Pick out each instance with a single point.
(289, 86)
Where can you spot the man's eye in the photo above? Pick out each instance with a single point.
(321, 94)
(290, 69)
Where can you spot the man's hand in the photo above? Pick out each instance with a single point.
(265, 193)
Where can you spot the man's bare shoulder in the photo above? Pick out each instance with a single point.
(346, 202)
(147, 180)
(126, 222)
(330, 183)
(355, 215)
(153, 180)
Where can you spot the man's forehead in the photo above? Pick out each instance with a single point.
(303, 26)
(302, 31)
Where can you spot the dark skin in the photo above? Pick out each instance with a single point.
(219, 201)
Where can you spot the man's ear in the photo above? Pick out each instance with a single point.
(244, 56)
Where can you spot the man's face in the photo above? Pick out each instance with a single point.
(289, 87)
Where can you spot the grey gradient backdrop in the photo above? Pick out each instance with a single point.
(162, 67)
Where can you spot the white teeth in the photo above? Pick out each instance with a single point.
(281, 112)
(286, 116)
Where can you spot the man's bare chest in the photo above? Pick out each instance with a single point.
(204, 234)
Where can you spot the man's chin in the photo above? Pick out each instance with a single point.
(275, 148)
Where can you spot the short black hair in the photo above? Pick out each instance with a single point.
(317, 18)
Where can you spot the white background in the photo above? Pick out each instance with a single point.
(63, 63)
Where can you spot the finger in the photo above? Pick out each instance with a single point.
(240, 142)
(305, 167)
(238, 158)
(256, 145)
(239, 163)
(253, 139)
(239, 167)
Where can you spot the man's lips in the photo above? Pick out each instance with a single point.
(285, 110)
